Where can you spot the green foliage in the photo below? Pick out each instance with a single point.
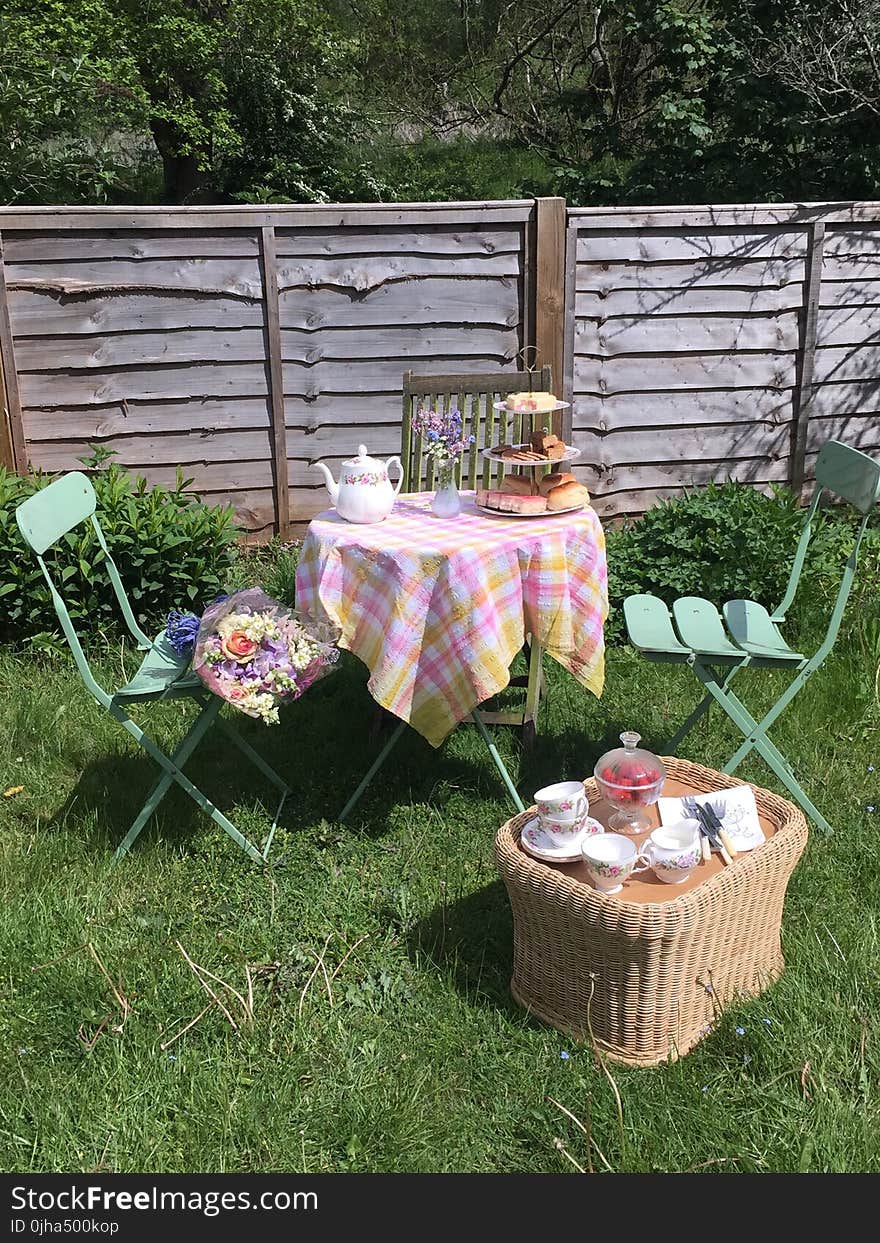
(70, 103)
(723, 542)
(623, 101)
(463, 168)
(271, 566)
(170, 549)
(729, 541)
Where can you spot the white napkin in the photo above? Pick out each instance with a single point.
(735, 808)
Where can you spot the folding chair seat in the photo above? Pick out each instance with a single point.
(162, 675)
(43, 520)
(745, 635)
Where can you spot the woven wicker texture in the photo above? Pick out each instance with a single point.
(648, 978)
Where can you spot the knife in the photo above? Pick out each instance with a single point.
(708, 830)
(720, 830)
(691, 808)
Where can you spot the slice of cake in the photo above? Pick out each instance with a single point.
(542, 442)
(527, 403)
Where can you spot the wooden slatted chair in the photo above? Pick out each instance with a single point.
(473, 395)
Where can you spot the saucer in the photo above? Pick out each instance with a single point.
(537, 843)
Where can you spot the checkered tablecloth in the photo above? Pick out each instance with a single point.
(437, 609)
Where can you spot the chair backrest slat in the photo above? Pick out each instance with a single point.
(850, 474)
(53, 511)
(473, 395)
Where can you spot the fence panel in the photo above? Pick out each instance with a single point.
(719, 343)
(226, 340)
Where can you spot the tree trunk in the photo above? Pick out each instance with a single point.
(184, 181)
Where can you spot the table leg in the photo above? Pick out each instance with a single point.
(374, 768)
(499, 763)
(389, 745)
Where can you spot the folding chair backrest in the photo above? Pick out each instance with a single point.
(850, 474)
(473, 395)
(50, 513)
(44, 519)
(854, 477)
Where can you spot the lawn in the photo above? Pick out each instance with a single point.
(380, 1035)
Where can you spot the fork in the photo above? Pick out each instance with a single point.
(694, 811)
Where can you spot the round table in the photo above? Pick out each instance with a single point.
(437, 608)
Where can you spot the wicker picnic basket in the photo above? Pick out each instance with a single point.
(644, 981)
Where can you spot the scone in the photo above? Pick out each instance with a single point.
(553, 480)
(566, 496)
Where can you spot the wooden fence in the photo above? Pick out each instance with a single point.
(244, 343)
(706, 343)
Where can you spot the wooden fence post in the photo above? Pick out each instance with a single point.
(803, 394)
(276, 382)
(550, 286)
(13, 449)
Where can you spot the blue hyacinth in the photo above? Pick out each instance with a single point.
(181, 630)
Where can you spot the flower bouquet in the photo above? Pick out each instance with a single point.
(443, 439)
(254, 652)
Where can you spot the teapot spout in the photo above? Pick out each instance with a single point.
(332, 485)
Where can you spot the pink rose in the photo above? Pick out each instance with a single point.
(237, 646)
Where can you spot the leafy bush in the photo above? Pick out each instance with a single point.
(271, 566)
(170, 549)
(722, 542)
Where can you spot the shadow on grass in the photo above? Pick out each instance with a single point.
(470, 941)
(322, 747)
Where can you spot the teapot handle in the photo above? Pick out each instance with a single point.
(400, 468)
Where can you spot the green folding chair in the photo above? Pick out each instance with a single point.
(751, 639)
(44, 519)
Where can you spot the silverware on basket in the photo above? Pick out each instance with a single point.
(707, 828)
(714, 815)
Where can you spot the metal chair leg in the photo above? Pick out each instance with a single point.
(172, 772)
(499, 763)
(756, 739)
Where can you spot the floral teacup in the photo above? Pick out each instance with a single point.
(567, 832)
(610, 858)
(674, 851)
(564, 802)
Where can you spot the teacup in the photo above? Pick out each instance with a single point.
(564, 832)
(673, 851)
(610, 858)
(565, 802)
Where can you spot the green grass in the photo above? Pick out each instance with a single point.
(422, 1062)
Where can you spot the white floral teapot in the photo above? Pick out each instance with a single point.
(364, 492)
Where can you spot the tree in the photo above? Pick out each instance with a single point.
(69, 94)
(241, 98)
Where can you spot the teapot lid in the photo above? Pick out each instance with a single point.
(362, 461)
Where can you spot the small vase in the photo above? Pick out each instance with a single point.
(446, 502)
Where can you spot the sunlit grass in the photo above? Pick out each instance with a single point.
(380, 1034)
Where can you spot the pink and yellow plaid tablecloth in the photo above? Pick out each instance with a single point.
(437, 609)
